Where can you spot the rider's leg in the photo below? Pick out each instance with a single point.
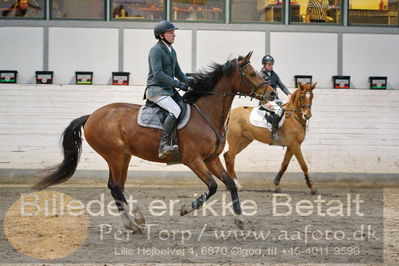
(276, 120)
(167, 103)
(275, 112)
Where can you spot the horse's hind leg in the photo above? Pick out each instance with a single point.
(284, 165)
(217, 169)
(199, 168)
(118, 164)
(236, 144)
(138, 215)
(298, 154)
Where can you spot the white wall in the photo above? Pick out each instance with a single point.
(367, 55)
(218, 46)
(96, 49)
(305, 54)
(21, 49)
(344, 135)
(83, 49)
(137, 44)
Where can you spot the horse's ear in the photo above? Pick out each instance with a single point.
(313, 86)
(300, 85)
(248, 57)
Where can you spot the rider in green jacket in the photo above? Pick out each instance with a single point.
(161, 82)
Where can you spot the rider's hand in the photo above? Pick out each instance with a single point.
(183, 86)
(289, 96)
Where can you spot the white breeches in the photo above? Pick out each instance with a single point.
(167, 103)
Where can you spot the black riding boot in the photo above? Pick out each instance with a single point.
(275, 137)
(166, 147)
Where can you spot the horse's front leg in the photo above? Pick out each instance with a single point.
(199, 168)
(284, 165)
(298, 154)
(216, 167)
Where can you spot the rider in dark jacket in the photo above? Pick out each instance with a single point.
(270, 76)
(274, 81)
(161, 82)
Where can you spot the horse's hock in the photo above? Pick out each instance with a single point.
(353, 136)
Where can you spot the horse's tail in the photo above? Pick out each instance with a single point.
(72, 148)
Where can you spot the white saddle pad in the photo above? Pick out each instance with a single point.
(257, 119)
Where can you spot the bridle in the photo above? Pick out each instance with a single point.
(300, 111)
(303, 106)
(253, 93)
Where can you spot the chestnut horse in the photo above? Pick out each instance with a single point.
(112, 131)
(292, 133)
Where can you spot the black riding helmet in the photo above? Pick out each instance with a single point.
(163, 27)
(267, 59)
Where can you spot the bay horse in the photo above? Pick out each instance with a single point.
(113, 132)
(292, 133)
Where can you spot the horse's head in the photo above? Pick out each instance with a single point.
(303, 99)
(251, 83)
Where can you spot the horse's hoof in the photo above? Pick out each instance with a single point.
(239, 221)
(138, 217)
(183, 210)
(140, 221)
(134, 228)
(313, 191)
(277, 189)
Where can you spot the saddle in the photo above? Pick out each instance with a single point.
(270, 115)
(261, 117)
(152, 116)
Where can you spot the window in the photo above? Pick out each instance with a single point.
(22, 9)
(136, 9)
(198, 10)
(77, 9)
(316, 11)
(257, 10)
(381, 12)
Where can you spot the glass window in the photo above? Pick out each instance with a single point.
(138, 9)
(380, 12)
(316, 11)
(22, 8)
(257, 10)
(198, 10)
(77, 9)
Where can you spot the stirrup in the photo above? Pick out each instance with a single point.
(167, 150)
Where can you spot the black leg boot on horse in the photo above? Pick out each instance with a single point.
(166, 145)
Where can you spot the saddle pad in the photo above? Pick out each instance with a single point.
(153, 117)
(257, 119)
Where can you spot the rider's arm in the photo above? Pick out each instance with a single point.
(156, 66)
(282, 86)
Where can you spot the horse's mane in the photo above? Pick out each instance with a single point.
(206, 80)
(294, 96)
